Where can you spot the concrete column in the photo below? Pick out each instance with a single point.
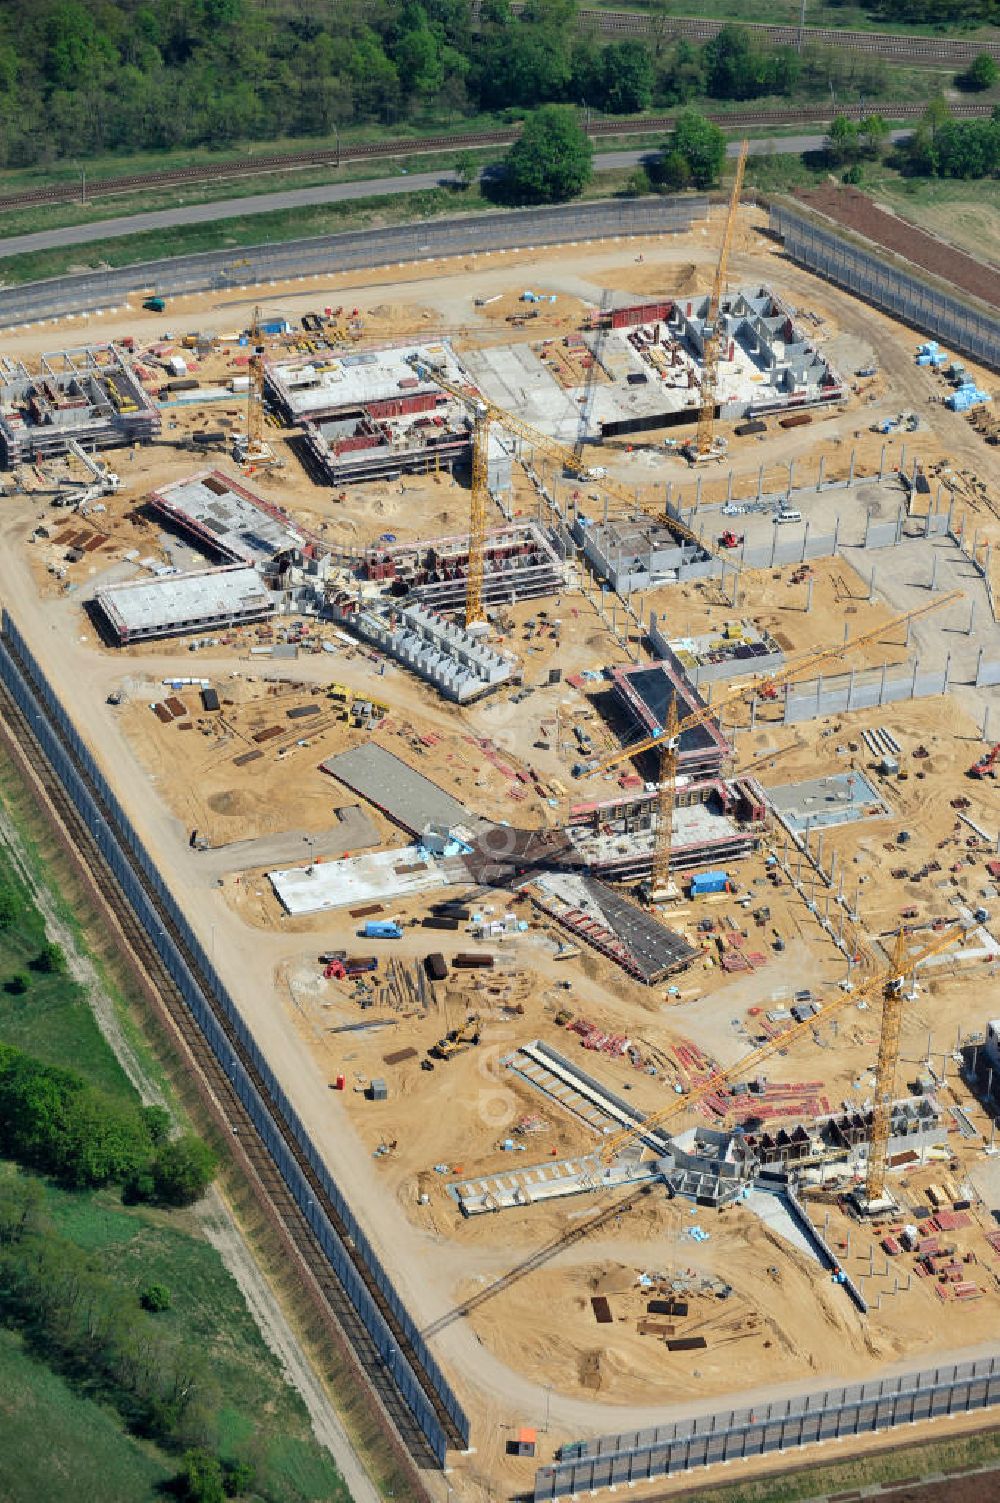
(836, 534)
(729, 487)
(961, 533)
(951, 507)
(902, 460)
(986, 723)
(669, 489)
(753, 713)
(986, 562)
(881, 687)
(791, 471)
(605, 511)
(881, 464)
(819, 692)
(934, 568)
(819, 849)
(805, 542)
(906, 636)
(913, 480)
(850, 690)
(760, 482)
(774, 547)
(927, 524)
(913, 680)
(850, 477)
(822, 464)
(947, 670)
(871, 585)
(697, 493)
(972, 619)
(809, 595)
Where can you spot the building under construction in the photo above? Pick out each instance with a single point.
(369, 416)
(715, 822)
(90, 395)
(225, 520)
(521, 562)
(643, 696)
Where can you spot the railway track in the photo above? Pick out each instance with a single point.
(939, 52)
(341, 1320)
(404, 146)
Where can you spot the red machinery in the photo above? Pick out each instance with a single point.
(986, 766)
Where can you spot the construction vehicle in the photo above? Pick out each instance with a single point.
(706, 446)
(986, 767)
(103, 482)
(731, 539)
(155, 305)
(890, 982)
(456, 1040)
(666, 739)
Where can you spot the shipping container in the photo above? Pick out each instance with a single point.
(358, 965)
(707, 882)
(473, 962)
(436, 966)
(795, 420)
(209, 699)
(439, 921)
(753, 425)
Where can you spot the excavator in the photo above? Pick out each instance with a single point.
(456, 1040)
(986, 767)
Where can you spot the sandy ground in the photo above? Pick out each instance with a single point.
(535, 1349)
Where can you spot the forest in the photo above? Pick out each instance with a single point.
(81, 77)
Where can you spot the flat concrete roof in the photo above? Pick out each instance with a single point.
(328, 383)
(837, 799)
(361, 879)
(150, 605)
(409, 798)
(226, 516)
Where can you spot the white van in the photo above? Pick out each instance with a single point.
(787, 515)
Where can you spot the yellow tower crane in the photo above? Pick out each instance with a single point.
(474, 611)
(890, 982)
(483, 410)
(711, 338)
(667, 739)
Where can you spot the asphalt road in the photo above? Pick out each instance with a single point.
(298, 198)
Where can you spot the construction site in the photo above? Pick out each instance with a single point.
(559, 691)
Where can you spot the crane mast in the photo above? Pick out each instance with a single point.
(889, 981)
(712, 343)
(474, 612)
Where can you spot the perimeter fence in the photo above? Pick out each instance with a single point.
(471, 234)
(876, 279)
(734, 1435)
(122, 848)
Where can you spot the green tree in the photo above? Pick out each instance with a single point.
(182, 1170)
(842, 142)
(200, 1479)
(627, 78)
(702, 145)
(50, 960)
(873, 132)
(155, 1298)
(17, 984)
(982, 73)
(240, 1477)
(551, 161)
(637, 184)
(675, 172)
(465, 169)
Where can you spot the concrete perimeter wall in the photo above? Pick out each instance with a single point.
(876, 279)
(731, 1435)
(463, 235)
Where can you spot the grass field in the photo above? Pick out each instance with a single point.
(56, 1444)
(964, 214)
(55, 1440)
